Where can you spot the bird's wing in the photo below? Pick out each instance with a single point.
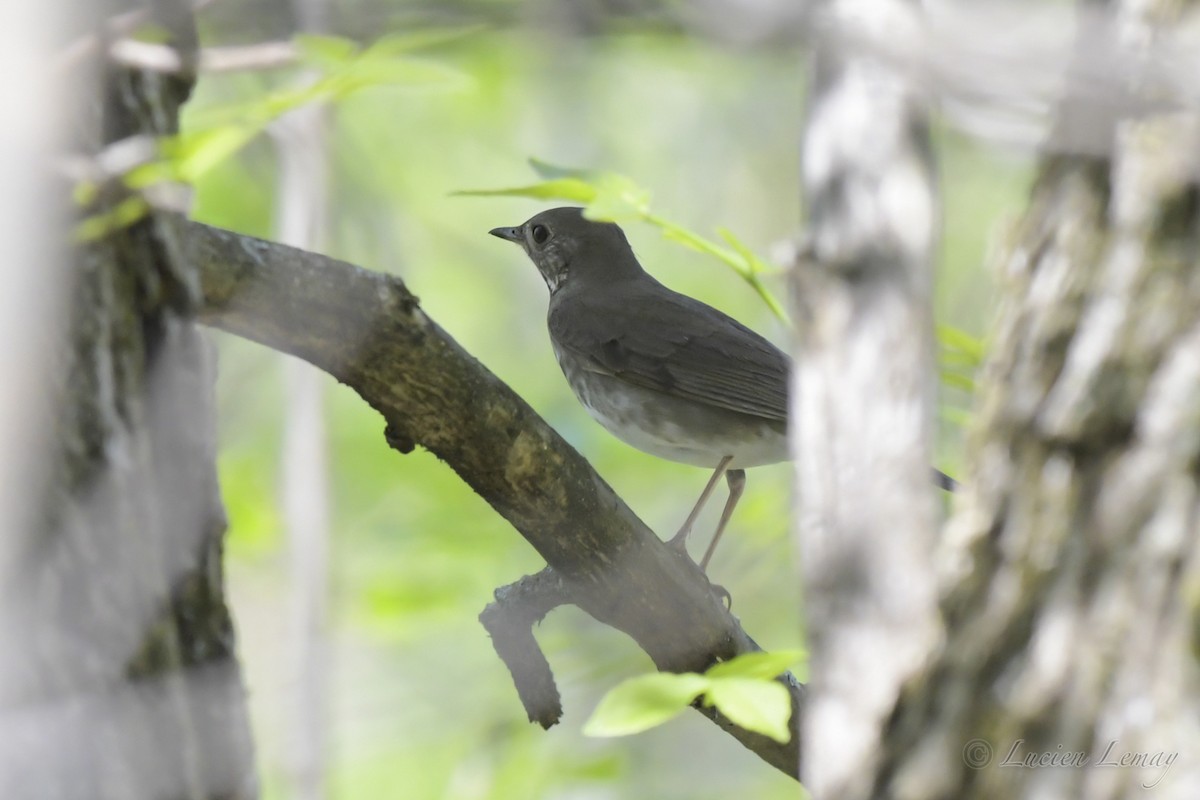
(679, 346)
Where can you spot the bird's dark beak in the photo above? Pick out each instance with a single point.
(511, 234)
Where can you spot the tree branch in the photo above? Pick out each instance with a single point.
(510, 620)
(367, 330)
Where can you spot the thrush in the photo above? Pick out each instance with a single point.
(661, 371)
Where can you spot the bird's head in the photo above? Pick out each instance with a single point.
(567, 248)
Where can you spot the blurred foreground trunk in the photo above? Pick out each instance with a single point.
(862, 399)
(1071, 568)
(1069, 575)
(118, 676)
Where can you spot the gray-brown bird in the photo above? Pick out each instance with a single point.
(661, 371)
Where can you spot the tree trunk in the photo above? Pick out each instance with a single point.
(119, 677)
(862, 394)
(1072, 563)
(1069, 573)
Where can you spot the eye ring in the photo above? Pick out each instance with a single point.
(540, 234)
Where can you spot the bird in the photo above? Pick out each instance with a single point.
(661, 371)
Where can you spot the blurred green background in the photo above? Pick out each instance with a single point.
(419, 705)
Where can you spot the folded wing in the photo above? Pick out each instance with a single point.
(679, 346)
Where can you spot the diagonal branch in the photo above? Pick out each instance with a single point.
(367, 330)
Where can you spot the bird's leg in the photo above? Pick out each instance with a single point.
(737, 482)
(680, 539)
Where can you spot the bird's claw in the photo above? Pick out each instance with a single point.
(678, 543)
(679, 540)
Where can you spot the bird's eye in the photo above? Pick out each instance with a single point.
(540, 233)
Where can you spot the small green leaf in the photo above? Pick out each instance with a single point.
(326, 51)
(571, 189)
(121, 216)
(677, 233)
(547, 171)
(395, 44)
(961, 355)
(617, 199)
(272, 106)
(757, 665)
(391, 71)
(145, 175)
(85, 192)
(753, 263)
(956, 340)
(957, 380)
(194, 154)
(956, 416)
(756, 704)
(956, 359)
(643, 702)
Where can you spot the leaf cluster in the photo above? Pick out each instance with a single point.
(333, 68)
(744, 689)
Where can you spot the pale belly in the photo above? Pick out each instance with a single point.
(669, 428)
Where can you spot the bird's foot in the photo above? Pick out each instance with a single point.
(678, 543)
(679, 540)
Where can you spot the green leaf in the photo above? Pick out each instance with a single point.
(571, 189)
(643, 702)
(957, 359)
(961, 355)
(326, 51)
(194, 154)
(756, 704)
(955, 416)
(753, 263)
(547, 171)
(121, 216)
(758, 665)
(617, 199)
(368, 72)
(149, 174)
(217, 134)
(955, 340)
(272, 106)
(399, 43)
(85, 192)
(695, 241)
(957, 380)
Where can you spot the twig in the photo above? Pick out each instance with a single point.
(509, 621)
(164, 58)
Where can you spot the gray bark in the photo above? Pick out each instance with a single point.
(119, 677)
(1071, 567)
(862, 395)
(1065, 658)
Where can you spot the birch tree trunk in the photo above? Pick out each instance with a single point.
(862, 394)
(1069, 574)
